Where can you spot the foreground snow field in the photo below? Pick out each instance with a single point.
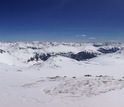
(61, 81)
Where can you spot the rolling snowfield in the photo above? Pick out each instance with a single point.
(58, 74)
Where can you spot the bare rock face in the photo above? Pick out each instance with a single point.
(83, 56)
(42, 57)
(2, 51)
(105, 51)
(79, 56)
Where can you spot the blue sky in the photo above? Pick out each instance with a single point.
(61, 19)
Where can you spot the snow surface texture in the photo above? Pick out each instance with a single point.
(60, 80)
(84, 86)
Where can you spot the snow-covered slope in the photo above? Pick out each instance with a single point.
(58, 74)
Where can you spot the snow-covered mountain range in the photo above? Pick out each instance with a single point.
(35, 74)
(22, 53)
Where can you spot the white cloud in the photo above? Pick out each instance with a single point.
(92, 38)
(81, 35)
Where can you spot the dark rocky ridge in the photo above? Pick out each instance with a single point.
(38, 57)
(81, 56)
(111, 50)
